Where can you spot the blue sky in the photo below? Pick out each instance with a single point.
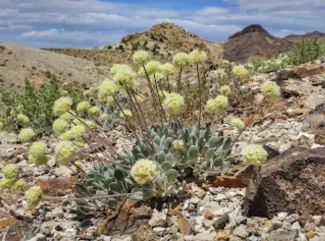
(91, 23)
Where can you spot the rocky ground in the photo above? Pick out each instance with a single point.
(224, 208)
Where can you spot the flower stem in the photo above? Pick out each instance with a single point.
(249, 121)
(162, 109)
(179, 80)
(200, 95)
(169, 90)
(152, 93)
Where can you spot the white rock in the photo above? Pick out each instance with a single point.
(282, 215)
(295, 226)
(38, 236)
(158, 219)
(241, 231)
(220, 197)
(159, 229)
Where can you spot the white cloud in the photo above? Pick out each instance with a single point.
(94, 22)
(212, 11)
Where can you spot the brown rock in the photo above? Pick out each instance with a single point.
(292, 182)
(208, 215)
(306, 71)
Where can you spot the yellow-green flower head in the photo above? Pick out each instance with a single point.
(174, 104)
(23, 118)
(119, 67)
(158, 76)
(39, 160)
(94, 110)
(62, 105)
(10, 171)
(78, 163)
(240, 72)
(90, 124)
(107, 88)
(222, 102)
(254, 154)
(38, 149)
(125, 78)
(139, 98)
(76, 122)
(127, 113)
(181, 59)
(221, 74)
(33, 196)
(67, 117)
(141, 72)
(211, 106)
(271, 89)
(144, 171)
(77, 131)
(153, 67)
(19, 185)
(6, 183)
(64, 92)
(225, 62)
(140, 57)
(198, 57)
(83, 107)
(60, 126)
(100, 67)
(104, 116)
(1, 125)
(109, 100)
(225, 90)
(178, 144)
(237, 123)
(20, 108)
(65, 151)
(26, 134)
(88, 68)
(66, 135)
(167, 69)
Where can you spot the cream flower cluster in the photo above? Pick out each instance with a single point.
(197, 57)
(225, 90)
(23, 118)
(26, 134)
(83, 107)
(62, 105)
(220, 103)
(178, 144)
(65, 151)
(254, 154)
(127, 113)
(271, 89)
(168, 69)
(153, 67)
(33, 196)
(240, 72)
(144, 171)
(237, 123)
(37, 154)
(140, 57)
(107, 88)
(174, 104)
(60, 126)
(181, 59)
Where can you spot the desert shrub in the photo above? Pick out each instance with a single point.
(305, 51)
(35, 104)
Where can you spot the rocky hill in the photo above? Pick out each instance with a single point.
(165, 39)
(162, 40)
(18, 63)
(312, 35)
(253, 42)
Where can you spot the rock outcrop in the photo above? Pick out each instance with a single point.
(292, 182)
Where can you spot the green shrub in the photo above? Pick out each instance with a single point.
(305, 51)
(36, 104)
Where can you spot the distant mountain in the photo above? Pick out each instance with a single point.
(253, 42)
(311, 35)
(162, 41)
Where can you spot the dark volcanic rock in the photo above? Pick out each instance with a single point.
(249, 29)
(292, 182)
